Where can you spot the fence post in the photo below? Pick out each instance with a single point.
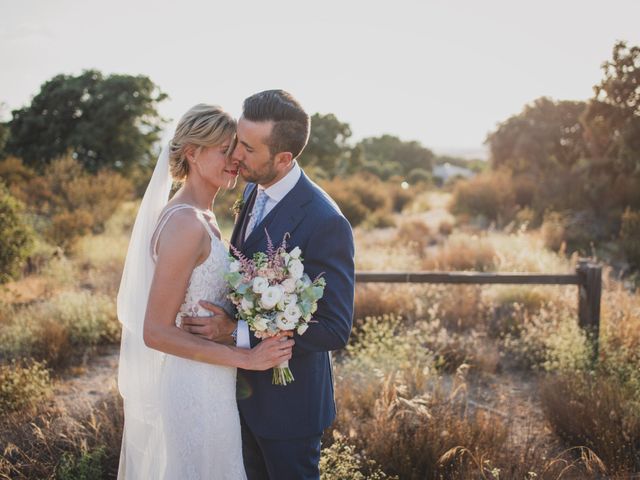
(589, 293)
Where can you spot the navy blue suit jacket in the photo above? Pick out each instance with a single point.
(305, 407)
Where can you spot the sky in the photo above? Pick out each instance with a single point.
(444, 73)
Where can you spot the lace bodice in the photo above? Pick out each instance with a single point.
(202, 285)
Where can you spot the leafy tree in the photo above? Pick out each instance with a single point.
(105, 121)
(545, 137)
(612, 128)
(327, 148)
(4, 132)
(581, 158)
(387, 155)
(629, 235)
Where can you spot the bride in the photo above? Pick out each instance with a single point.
(179, 389)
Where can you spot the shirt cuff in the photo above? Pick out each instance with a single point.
(243, 340)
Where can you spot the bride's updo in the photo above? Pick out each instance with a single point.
(203, 126)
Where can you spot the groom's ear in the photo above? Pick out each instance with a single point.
(283, 159)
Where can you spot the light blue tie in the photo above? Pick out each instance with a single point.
(258, 211)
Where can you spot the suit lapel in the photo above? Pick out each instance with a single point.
(237, 236)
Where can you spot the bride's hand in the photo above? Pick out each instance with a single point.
(270, 352)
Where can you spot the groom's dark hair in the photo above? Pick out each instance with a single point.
(291, 123)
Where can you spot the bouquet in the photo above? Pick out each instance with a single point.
(273, 294)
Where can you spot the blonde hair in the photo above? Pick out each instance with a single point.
(203, 126)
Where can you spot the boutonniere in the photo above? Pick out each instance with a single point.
(238, 205)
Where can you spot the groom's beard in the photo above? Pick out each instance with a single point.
(263, 176)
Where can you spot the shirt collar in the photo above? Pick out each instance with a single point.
(278, 190)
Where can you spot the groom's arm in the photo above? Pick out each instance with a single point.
(330, 250)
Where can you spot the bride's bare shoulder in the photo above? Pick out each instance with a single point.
(182, 232)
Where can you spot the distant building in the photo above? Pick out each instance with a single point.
(445, 172)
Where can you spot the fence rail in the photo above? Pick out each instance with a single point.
(588, 278)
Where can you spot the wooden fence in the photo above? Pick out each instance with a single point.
(588, 278)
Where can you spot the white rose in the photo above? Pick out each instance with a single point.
(234, 266)
(283, 323)
(296, 269)
(271, 296)
(290, 298)
(292, 313)
(260, 284)
(289, 285)
(246, 305)
(260, 323)
(295, 253)
(302, 328)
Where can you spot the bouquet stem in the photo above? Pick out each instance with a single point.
(282, 374)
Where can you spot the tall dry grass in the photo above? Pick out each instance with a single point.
(398, 410)
(53, 444)
(598, 412)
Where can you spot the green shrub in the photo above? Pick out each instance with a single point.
(370, 190)
(90, 319)
(574, 230)
(380, 219)
(365, 195)
(71, 202)
(88, 466)
(68, 325)
(349, 204)
(23, 384)
(16, 238)
(384, 344)
(419, 175)
(463, 252)
(401, 198)
(549, 339)
(553, 230)
(14, 172)
(630, 236)
(67, 227)
(490, 195)
(341, 462)
(416, 234)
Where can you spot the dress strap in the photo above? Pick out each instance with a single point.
(164, 218)
(206, 224)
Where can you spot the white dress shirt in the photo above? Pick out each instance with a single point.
(275, 193)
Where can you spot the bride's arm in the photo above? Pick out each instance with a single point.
(182, 242)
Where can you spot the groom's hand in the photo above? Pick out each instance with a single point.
(217, 327)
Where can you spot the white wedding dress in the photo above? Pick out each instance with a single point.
(197, 401)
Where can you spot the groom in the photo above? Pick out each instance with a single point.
(282, 425)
